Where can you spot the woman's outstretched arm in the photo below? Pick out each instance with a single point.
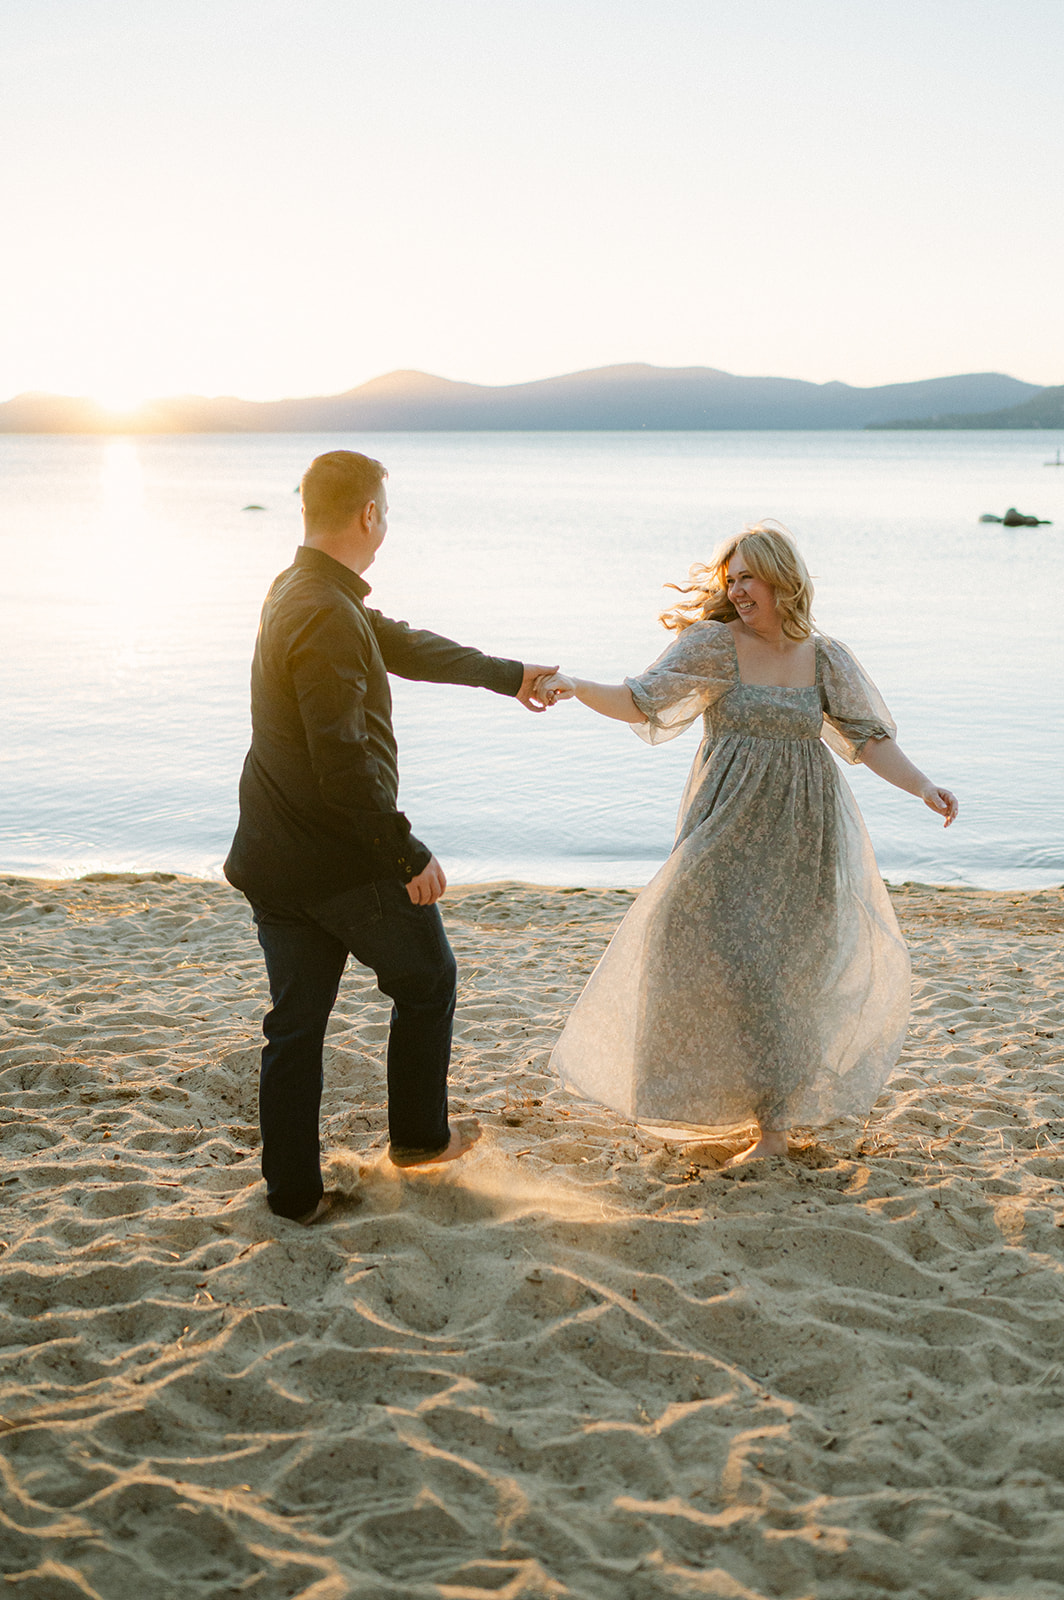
(889, 761)
(608, 699)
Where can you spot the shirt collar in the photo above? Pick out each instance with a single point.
(328, 567)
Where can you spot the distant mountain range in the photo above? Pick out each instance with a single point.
(1044, 410)
(625, 397)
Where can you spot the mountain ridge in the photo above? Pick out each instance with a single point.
(625, 396)
(1043, 410)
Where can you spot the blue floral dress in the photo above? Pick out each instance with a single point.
(761, 974)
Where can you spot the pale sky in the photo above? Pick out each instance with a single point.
(284, 197)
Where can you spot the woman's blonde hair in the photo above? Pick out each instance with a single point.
(771, 555)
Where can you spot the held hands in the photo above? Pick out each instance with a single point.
(554, 687)
(544, 686)
(529, 692)
(942, 801)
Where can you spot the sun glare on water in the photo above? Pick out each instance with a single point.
(122, 484)
(130, 563)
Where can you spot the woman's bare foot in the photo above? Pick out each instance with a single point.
(773, 1142)
(464, 1136)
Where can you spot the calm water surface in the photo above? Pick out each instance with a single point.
(133, 577)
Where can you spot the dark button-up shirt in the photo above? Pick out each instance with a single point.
(319, 789)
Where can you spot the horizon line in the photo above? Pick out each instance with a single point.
(416, 372)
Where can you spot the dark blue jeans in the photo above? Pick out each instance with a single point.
(306, 952)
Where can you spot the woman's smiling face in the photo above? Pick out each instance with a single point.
(753, 598)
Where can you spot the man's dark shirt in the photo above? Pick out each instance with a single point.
(319, 789)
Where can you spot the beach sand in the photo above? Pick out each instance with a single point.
(580, 1362)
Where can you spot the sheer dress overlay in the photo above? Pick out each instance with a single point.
(761, 973)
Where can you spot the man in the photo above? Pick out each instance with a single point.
(321, 851)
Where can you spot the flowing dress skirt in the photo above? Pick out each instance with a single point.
(761, 974)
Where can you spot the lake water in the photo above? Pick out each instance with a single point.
(132, 579)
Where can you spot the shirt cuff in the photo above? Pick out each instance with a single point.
(396, 853)
(507, 676)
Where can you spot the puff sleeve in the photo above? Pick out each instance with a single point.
(854, 709)
(687, 678)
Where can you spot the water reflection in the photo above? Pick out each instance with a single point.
(133, 582)
(121, 484)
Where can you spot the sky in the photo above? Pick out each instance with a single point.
(289, 197)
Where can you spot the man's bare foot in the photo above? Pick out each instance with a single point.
(322, 1209)
(773, 1142)
(464, 1136)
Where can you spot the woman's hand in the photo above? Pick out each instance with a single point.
(554, 688)
(883, 756)
(942, 801)
(608, 699)
(531, 678)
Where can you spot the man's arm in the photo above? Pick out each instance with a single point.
(430, 658)
(329, 674)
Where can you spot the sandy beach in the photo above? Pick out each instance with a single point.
(581, 1362)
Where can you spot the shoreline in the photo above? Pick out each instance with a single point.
(216, 880)
(581, 1360)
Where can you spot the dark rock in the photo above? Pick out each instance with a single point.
(1018, 519)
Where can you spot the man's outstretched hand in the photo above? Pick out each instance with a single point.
(428, 886)
(527, 694)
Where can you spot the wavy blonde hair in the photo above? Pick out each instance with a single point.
(772, 556)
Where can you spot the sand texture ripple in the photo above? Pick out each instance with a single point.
(582, 1361)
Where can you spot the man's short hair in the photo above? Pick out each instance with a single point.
(337, 485)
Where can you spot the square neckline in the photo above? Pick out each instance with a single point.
(791, 688)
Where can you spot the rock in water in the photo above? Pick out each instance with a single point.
(1019, 519)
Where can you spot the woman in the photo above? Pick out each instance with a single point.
(761, 976)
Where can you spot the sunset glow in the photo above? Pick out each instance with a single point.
(118, 400)
(446, 1150)
(495, 194)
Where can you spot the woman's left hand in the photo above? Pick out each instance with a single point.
(942, 801)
